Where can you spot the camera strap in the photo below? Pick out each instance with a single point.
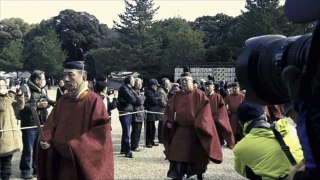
(284, 147)
(261, 123)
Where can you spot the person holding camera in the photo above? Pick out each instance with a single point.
(10, 141)
(35, 97)
(260, 154)
(102, 89)
(126, 100)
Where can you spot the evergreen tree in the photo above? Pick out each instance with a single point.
(44, 52)
(137, 45)
(11, 56)
(263, 17)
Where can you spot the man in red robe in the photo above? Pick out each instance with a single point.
(220, 115)
(190, 137)
(233, 101)
(76, 142)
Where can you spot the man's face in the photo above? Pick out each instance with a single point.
(41, 82)
(186, 83)
(61, 83)
(131, 81)
(3, 87)
(235, 90)
(209, 88)
(73, 79)
(167, 84)
(155, 87)
(138, 85)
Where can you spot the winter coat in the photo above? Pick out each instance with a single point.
(138, 106)
(151, 103)
(260, 151)
(162, 93)
(33, 94)
(126, 99)
(10, 141)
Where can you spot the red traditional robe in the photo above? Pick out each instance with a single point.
(221, 119)
(195, 138)
(233, 101)
(79, 133)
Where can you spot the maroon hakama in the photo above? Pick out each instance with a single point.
(79, 133)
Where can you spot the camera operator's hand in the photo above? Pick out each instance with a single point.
(44, 145)
(12, 90)
(295, 169)
(42, 103)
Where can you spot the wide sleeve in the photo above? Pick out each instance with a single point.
(206, 131)
(93, 150)
(223, 124)
(44, 157)
(168, 133)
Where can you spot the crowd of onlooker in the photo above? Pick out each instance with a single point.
(192, 116)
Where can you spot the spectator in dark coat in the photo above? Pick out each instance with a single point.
(101, 88)
(126, 100)
(61, 90)
(174, 88)
(162, 93)
(139, 117)
(151, 104)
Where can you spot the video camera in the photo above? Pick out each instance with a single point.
(260, 66)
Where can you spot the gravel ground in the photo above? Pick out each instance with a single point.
(149, 163)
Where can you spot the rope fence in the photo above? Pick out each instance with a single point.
(124, 114)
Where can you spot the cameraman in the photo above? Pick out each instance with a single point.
(259, 155)
(35, 97)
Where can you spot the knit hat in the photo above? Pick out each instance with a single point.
(247, 111)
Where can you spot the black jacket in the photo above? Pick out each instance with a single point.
(151, 104)
(126, 99)
(33, 94)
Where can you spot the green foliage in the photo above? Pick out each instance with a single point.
(265, 18)
(80, 28)
(180, 44)
(105, 60)
(16, 27)
(5, 38)
(215, 29)
(11, 56)
(44, 52)
(137, 44)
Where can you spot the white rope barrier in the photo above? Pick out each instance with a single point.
(124, 114)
